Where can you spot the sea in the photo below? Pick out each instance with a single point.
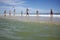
(45, 13)
(18, 30)
(31, 14)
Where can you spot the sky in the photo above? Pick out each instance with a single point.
(43, 6)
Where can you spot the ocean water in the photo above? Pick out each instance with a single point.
(32, 14)
(45, 13)
(18, 30)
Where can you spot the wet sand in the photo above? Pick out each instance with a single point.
(46, 19)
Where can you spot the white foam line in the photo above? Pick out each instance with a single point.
(40, 15)
(34, 15)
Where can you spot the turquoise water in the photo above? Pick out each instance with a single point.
(17, 30)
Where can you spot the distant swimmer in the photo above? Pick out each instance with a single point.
(4, 12)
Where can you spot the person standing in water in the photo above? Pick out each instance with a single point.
(9, 12)
(27, 11)
(51, 15)
(51, 12)
(37, 12)
(14, 12)
(21, 13)
(4, 12)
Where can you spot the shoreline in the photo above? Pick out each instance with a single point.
(33, 15)
(36, 19)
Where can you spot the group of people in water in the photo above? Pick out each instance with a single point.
(27, 12)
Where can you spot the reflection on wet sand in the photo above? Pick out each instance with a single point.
(51, 18)
(35, 18)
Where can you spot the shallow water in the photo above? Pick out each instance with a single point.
(17, 30)
(35, 18)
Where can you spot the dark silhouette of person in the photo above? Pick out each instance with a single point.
(27, 11)
(4, 12)
(21, 13)
(14, 12)
(51, 12)
(9, 12)
(37, 12)
(51, 15)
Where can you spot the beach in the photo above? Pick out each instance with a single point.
(29, 28)
(29, 20)
(35, 18)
